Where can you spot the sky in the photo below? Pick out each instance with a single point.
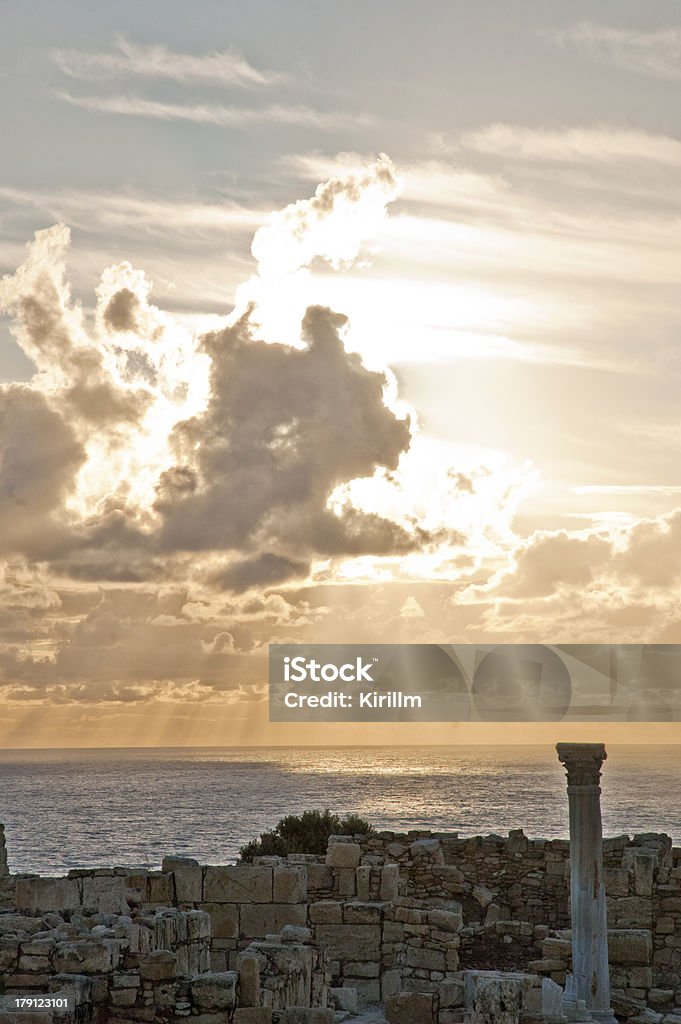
(329, 322)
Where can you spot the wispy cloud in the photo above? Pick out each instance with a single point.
(656, 53)
(624, 489)
(112, 209)
(225, 68)
(600, 143)
(214, 113)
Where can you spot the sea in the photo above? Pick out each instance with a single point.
(99, 808)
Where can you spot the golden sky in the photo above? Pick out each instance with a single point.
(311, 347)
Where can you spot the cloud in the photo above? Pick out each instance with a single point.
(331, 225)
(151, 212)
(215, 113)
(597, 144)
(39, 458)
(656, 53)
(283, 427)
(220, 444)
(226, 68)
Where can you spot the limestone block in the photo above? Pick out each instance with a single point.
(258, 920)
(362, 913)
(361, 969)
(616, 881)
(631, 912)
(290, 883)
(9, 953)
(173, 862)
(296, 934)
(39, 895)
(87, 956)
(252, 1015)
(306, 1015)
(224, 920)
(188, 883)
(411, 1008)
(249, 980)
(325, 912)
(350, 941)
(238, 883)
(391, 982)
(630, 946)
(343, 855)
(344, 999)
(215, 992)
(644, 873)
(368, 989)
(390, 881)
(445, 920)
(198, 925)
(20, 924)
(123, 997)
(426, 959)
(159, 965)
(345, 882)
(160, 889)
(319, 876)
(451, 994)
(363, 881)
(427, 849)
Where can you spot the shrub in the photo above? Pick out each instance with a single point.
(304, 833)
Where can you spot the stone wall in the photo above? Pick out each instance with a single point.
(404, 914)
(153, 967)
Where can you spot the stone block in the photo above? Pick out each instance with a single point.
(258, 920)
(238, 883)
(390, 881)
(40, 895)
(290, 883)
(159, 965)
(344, 999)
(224, 920)
(630, 946)
(391, 983)
(362, 913)
(363, 881)
(87, 956)
(368, 989)
(306, 1015)
(252, 1015)
(188, 883)
(345, 882)
(326, 912)
(319, 876)
(249, 980)
(215, 993)
(445, 920)
(343, 855)
(350, 941)
(644, 873)
(411, 1008)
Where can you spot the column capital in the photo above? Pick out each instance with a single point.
(582, 761)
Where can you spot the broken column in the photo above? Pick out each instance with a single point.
(583, 763)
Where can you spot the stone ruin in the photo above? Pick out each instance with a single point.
(434, 928)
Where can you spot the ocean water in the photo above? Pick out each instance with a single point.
(98, 808)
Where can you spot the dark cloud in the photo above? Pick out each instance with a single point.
(121, 311)
(39, 457)
(261, 570)
(284, 426)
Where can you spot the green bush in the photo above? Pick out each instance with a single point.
(304, 833)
